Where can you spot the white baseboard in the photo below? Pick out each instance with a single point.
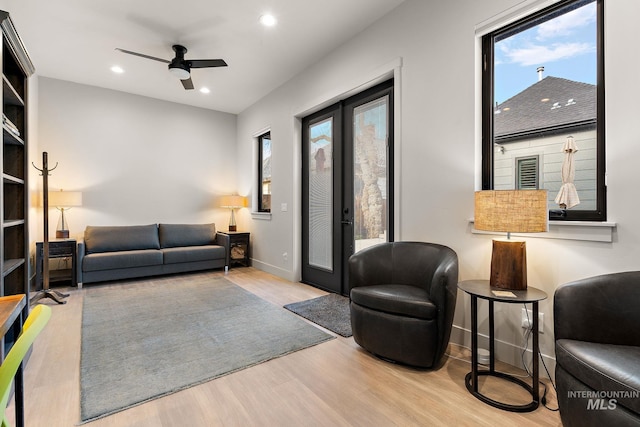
(275, 270)
(505, 352)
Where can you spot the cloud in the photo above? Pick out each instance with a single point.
(567, 24)
(538, 54)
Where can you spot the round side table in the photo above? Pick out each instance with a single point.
(481, 289)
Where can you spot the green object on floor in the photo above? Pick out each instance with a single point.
(36, 321)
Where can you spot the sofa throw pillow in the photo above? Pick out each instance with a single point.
(121, 238)
(179, 235)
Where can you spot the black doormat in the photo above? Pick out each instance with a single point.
(330, 311)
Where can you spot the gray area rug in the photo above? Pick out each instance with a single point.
(143, 340)
(330, 311)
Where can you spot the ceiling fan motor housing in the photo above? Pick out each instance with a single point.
(178, 66)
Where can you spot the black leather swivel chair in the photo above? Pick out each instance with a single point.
(403, 295)
(597, 340)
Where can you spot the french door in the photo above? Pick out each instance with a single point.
(347, 198)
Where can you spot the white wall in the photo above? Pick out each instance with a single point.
(438, 145)
(137, 160)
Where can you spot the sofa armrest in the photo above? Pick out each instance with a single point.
(224, 240)
(601, 309)
(80, 255)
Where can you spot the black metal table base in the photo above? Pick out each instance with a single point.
(528, 407)
(481, 289)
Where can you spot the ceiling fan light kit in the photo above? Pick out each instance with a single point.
(180, 67)
(179, 72)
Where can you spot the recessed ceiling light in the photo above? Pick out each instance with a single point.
(268, 20)
(204, 90)
(117, 70)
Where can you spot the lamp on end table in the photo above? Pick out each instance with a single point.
(233, 202)
(64, 200)
(510, 211)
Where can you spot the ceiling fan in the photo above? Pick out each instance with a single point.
(181, 67)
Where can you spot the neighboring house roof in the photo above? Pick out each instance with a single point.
(568, 104)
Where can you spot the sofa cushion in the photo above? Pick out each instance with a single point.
(178, 235)
(124, 259)
(193, 254)
(605, 367)
(404, 300)
(121, 238)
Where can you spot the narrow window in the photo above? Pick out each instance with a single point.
(543, 92)
(264, 172)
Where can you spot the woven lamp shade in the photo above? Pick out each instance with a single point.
(510, 211)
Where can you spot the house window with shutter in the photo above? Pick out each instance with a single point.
(542, 82)
(527, 173)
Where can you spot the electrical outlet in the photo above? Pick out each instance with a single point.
(527, 319)
(285, 256)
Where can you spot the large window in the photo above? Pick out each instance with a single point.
(543, 108)
(264, 172)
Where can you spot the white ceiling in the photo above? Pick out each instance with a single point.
(75, 40)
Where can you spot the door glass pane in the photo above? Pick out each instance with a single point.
(545, 81)
(321, 195)
(370, 125)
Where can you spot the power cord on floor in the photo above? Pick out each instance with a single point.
(525, 346)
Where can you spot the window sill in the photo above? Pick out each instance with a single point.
(589, 231)
(263, 216)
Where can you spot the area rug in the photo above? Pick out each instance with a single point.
(148, 339)
(330, 311)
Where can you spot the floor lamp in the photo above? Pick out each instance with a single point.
(46, 292)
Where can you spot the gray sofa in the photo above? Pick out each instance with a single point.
(121, 252)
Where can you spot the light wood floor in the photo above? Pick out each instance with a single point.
(335, 383)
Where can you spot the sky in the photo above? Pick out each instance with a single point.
(565, 46)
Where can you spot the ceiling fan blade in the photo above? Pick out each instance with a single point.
(143, 55)
(188, 84)
(206, 63)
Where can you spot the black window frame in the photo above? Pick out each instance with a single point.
(487, 58)
(261, 138)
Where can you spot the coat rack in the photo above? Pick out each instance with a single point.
(46, 292)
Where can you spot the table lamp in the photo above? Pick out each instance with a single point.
(510, 211)
(64, 200)
(233, 202)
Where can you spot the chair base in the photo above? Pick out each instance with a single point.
(392, 337)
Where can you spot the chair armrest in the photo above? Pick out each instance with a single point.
(224, 240)
(602, 309)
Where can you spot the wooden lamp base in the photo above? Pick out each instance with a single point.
(509, 264)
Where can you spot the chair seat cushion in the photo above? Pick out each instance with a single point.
(403, 300)
(605, 367)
